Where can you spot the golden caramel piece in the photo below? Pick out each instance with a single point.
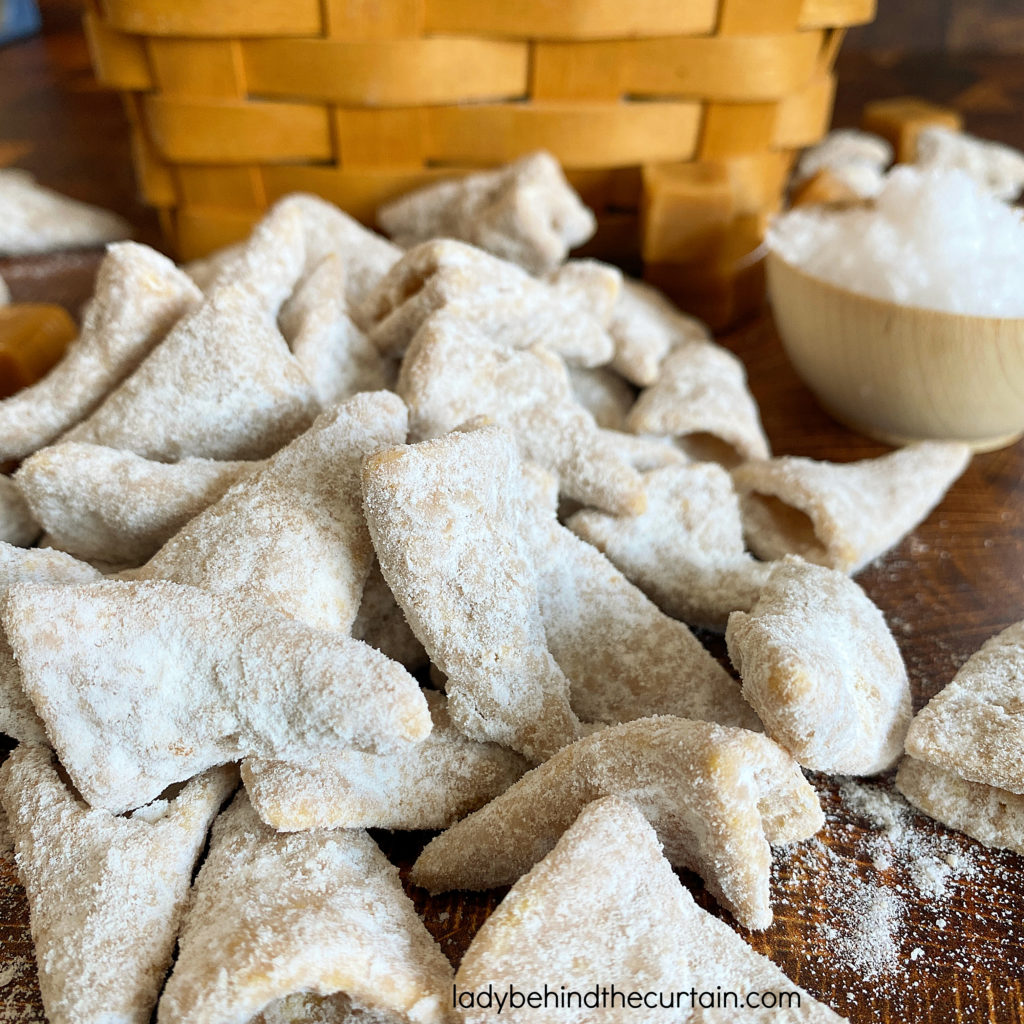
(525, 212)
(973, 726)
(645, 327)
(141, 685)
(993, 816)
(716, 796)
(504, 303)
(844, 515)
(447, 518)
(106, 894)
(33, 337)
(900, 119)
(139, 295)
(291, 536)
(381, 623)
(35, 220)
(111, 505)
(822, 670)
(453, 373)
(18, 525)
(222, 385)
(18, 717)
(335, 355)
(646, 936)
(686, 551)
(320, 916)
(701, 399)
(430, 785)
(625, 659)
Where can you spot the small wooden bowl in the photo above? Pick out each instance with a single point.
(901, 373)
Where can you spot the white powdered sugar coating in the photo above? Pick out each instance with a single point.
(933, 239)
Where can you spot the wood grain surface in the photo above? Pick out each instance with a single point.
(917, 924)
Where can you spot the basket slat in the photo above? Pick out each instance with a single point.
(572, 19)
(592, 135)
(360, 20)
(836, 13)
(804, 117)
(201, 18)
(226, 131)
(758, 17)
(731, 129)
(401, 72)
(197, 67)
(224, 187)
(737, 68)
(118, 59)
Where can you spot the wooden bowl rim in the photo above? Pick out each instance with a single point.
(920, 312)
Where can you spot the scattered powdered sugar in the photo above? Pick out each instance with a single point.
(868, 938)
(882, 887)
(932, 238)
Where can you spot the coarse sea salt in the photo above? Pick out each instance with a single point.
(931, 238)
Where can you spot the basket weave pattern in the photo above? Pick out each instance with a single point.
(238, 102)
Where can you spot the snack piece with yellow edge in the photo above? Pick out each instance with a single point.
(106, 894)
(447, 518)
(717, 797)
(301, 926)
(822, 670)
(142, 685)
(653, 942)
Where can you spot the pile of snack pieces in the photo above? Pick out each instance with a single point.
(273, 486)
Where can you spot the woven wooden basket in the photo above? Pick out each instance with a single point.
(675, 119)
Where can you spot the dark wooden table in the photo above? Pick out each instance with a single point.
(872, 922)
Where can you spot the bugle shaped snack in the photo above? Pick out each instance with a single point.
(430, 785)
(327, 230)
(973, 726)
(111, 505)
(646, 935)
(843, 515)
(686, 550)
(35, 220)
(335, 355)
(625, 659)
(716, 796)
(446, 518)
(507, 305)
(17, 524)
(604, 394)
(525, 212)
(317, 914)
(138, 297)
(993, 816)
(106, 894)
(221, 385)
(292, 535)
(381, 623)
(822, 670)
(18, 717)
(701, 399)
(145, 684)
(452, 373)
(645, 327)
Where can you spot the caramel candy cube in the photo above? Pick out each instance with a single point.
(33, 337)
(899, 120)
